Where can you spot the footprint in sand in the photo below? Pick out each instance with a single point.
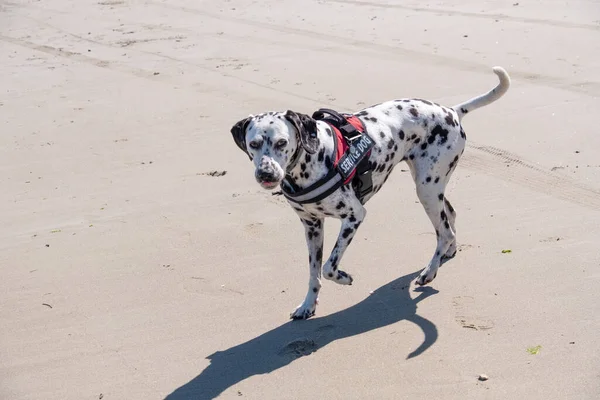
(298, 348)
(464, 314)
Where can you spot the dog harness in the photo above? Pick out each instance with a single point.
(351, 146)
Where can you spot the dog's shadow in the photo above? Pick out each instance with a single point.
(281, 346)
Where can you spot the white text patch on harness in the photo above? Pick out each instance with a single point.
(354, 155)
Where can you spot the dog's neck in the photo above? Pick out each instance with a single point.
(310, 168)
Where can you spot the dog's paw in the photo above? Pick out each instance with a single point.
(426, 276)
(339, 277)
(303, 312)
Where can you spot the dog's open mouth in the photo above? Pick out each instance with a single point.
(269, 185)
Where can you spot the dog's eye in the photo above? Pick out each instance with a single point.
(281, 144)
(255, 145)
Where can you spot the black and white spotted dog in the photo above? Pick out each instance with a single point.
(297, 150)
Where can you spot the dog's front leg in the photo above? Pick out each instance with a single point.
(350, 224)
(314, 240)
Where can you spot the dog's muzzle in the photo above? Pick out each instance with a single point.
(267, 176)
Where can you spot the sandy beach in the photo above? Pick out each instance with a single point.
(141, 260)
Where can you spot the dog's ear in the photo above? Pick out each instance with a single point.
(307, 130)
(238, 131)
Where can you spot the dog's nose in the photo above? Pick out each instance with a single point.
(265, 175)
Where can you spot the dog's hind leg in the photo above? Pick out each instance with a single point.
(430, 185)
(314, 239)
(451, 213)
(350, 223)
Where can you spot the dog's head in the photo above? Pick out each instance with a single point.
(274, 141)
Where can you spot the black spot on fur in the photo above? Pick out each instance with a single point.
(302, 167)
(382, 134)
(414, 112)
(464, 110)
(399, 107)
(315, 290)
(307, 158)
(387, 158)
(343, 216)
(441, 196)
(462, 133)
(340, 205)
(401, 135)
(443, 215)
(329, 132)
(328, 162)
(319, 253)
(437, 179)
(424, 154)
(391, 144)
(452, 164)
(347, 232)
(352, 218)
(412, 156)
(381, 168)
(450, 121)
(425, 101)
(450, 208)
(363, 113)
(424, 146)
(446, 225)
(334, 262)
(428, 179)
(342, 274)
(418, 140)
(436, 132)
(330, 275)
(396, 148)
(321, 156)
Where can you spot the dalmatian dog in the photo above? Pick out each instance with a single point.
(295, 147)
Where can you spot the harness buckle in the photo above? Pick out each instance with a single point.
(349, 132)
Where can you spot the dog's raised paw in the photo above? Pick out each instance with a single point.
(344, 278)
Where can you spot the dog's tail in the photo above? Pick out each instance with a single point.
(487, 98)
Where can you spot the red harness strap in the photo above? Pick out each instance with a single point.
(342, 144)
